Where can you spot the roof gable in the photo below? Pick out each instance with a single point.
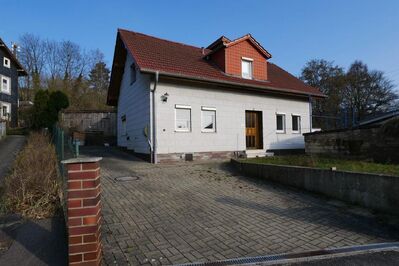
(179, 60)
(20, 68)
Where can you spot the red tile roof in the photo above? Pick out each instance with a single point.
(225, 42)
(180, 60)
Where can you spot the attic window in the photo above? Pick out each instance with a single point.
(132, 73)
(6, 62)
(246, 68)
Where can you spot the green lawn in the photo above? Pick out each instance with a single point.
(327, 163)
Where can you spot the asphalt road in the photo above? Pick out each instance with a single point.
(9, 147)
(33, 242)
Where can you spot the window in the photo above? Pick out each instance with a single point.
(208, 119)
(6, 62)
(124, 130)
(132, 73)
(280, 118)
(296, 124)
(5, 110)
(5, 85)
(182, 118)
(246, 68)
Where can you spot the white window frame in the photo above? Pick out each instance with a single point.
(2, 116)
(7, 65)
(205, 130)
(251, 61)
(299, 123)
(8, 91)
(186, 107)
(284, 123)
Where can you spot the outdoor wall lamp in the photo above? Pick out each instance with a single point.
(164, 97)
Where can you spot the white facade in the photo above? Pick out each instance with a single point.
(134, 103)
(230, 119)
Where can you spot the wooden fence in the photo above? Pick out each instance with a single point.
(102, 121)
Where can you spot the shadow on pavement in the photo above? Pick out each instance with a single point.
(324, 216)
(36, 242)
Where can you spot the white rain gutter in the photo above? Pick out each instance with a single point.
(153, 121)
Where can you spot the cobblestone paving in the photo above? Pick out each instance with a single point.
(204, 212)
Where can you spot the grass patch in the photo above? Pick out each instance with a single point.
(327, 163)
(32, 188)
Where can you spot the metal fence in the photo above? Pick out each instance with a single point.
(65, 148)
(65, 145)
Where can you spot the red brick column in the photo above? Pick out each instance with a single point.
(84, 211)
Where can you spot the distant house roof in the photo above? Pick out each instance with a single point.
(379, 118)
(179, 60)
(20, 68)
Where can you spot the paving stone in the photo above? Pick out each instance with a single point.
(204, 211)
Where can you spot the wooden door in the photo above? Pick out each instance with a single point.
(253, 130)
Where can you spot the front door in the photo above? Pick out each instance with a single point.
(253, 130)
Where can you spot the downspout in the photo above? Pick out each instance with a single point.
(310, 114)
(153, 121)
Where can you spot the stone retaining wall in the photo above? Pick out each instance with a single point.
(361, 142)
(378, 192)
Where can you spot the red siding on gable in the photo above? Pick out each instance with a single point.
(234, 55)
(219, 59)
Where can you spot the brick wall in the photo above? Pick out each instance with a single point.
(84, 211)
(234, 55)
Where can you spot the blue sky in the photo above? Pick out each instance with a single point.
(292, 31)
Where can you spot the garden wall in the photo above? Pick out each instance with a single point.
(360, 142)
(378, 192)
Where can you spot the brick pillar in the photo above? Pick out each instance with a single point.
(83, 211)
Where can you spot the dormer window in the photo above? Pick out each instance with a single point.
(246, 67)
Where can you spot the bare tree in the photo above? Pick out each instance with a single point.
(53, 59)
(32, 57)
(367, 92)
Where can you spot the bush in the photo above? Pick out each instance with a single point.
(32, 188)
(47, 106)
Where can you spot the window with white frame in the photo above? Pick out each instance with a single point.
(208, 119)
(296, 123)
(280, 123)
(124, 129)
(5, 110)
(5, 84)
(246, 68)
(182, 118)
(6, 62)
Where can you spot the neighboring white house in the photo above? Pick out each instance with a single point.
(179, 102)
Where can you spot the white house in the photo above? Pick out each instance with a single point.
(180, 102)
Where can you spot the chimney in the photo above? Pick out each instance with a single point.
(15, 49)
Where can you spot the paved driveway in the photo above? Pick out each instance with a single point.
(9, 147)
(204, 212)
